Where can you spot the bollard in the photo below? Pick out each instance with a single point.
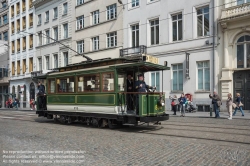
(211, 111)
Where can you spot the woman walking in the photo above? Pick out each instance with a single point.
(174, 103)
(239, 105)
(229, 105)
(182, 101)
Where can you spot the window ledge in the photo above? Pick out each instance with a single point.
(65, 14)
(30, 48)
(54, 19)
(177, 91)
(46, 22)
(96, 24)
(202, 91)
(152, 2)
(98, 50)
(83, 3)
(132, 8)
(39, 25)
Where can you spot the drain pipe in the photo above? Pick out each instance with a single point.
(213, 57)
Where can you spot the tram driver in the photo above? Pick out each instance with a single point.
(141, 86)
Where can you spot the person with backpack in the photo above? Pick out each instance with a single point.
(182, 101)
(173, 103)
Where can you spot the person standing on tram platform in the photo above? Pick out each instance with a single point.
(41, 95)
(140, 86)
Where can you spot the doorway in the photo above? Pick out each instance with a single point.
(242, 86)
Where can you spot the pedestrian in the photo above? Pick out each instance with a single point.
(173, 103)
(239, 105)
(229, 105)
(216, 101)
(16, 102)
(32, 104)
(182, 101)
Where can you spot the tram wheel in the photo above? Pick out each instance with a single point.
(113, 125)
(95, 122)
(63, 119)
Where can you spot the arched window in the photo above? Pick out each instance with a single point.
(24, 92)
(18, 90)
(13, 91)
(243, 52)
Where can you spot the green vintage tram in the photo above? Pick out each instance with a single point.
(94, 92)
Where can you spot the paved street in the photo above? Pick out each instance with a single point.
(191, 140)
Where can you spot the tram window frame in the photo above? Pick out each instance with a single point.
(65, 78)
(49, 85)
(94, 86)
(103, 84)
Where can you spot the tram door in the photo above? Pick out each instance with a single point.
(242, 86)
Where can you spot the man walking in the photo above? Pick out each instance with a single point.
(216, 101)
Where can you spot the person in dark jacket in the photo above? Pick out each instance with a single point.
(182, 101)
(239, 105)
(41, 95)
(140, 86)
(215, 100)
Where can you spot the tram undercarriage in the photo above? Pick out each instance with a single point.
(101, 120)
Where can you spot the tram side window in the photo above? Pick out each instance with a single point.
(65, 85)
(121, 82)
(89, 83)
(52, 87)
(108, 81)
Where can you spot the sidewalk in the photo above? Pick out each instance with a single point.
(19, 109)
(207, 115)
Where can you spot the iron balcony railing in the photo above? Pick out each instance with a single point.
(133, 51)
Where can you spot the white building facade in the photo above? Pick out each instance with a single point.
(97, 29)
(235, 59)
(171, 32)
(22, 51)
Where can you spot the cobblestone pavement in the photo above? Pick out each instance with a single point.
(180, 141)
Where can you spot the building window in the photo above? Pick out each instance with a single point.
(95, 17)
(177, 77)
(5, 35)
(4, 4)
(135, 35)
(203, 75)
(55, 33)
(239, 2)
(66, 58)
(80, 22)
(65, 8)
(154, 28)
(65, 30)
(31, 41)
(39, 19)
(80, 46)
(47, 36)
(203, 21)
(79, 2)
(155, 80)
(30, 64)
(5, 19)
(55, 12)
(95, 43)
(47, 16)
(18, 67)
(55, 61)
(24, 43)
(40, 65)
(135, 3)
(47, 62)
(40, 38)
(243, 52)
(177, 27)
(111, 12)
(111, 39)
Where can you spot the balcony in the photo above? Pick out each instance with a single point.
(133, 51)
(235, 12)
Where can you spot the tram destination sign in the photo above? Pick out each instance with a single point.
(152, 59)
